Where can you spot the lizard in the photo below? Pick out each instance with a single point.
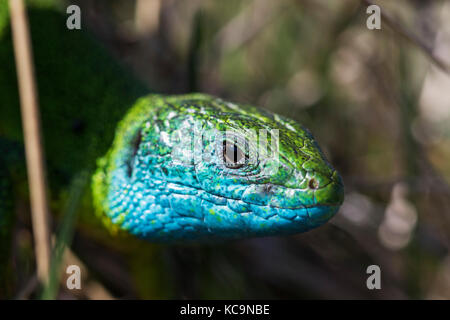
(97, 117)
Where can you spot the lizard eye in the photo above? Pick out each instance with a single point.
(233, 157)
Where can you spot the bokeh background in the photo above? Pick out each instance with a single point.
(378, 102)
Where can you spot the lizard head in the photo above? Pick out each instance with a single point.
(196, 167)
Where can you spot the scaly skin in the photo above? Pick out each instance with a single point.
(83, 95)
(156, 185)
(138, 186)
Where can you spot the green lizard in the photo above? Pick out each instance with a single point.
(163, 170)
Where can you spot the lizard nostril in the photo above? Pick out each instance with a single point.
(268, 188)
(313, 184)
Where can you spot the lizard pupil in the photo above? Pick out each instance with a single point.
(232, 155)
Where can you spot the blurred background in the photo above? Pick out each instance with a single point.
(378, 102)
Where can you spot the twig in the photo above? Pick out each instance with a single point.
(413, 38)
(62, 241)
(33, 147)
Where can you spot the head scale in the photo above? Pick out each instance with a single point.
(196, 167)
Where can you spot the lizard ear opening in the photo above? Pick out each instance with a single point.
(135, 147)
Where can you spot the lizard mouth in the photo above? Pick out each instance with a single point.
(280, 197)
(295, 209)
